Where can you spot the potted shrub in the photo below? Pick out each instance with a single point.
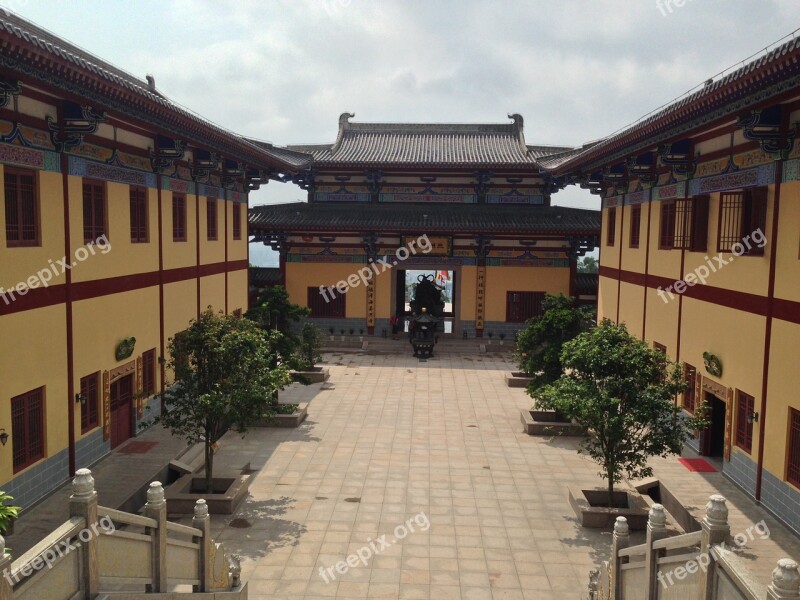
(491, 335)
(333, 332)
(8, 514)
(502, 337)
(360, 335)
(342, 332)
(352, 331)
(308, 355)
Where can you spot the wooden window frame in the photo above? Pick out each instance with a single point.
(666, 228)
(635, 226)
(534, 300)
(611, 226)
(88, 420)
(139, 202)
(90, 237)
(336, 308)
(236, 225)
(212, 220)
(20, 243)
(749, 217)
(745, 405)
(690, 395)
(793, 448)
(149, 372)
(179, 218)
(30, 456)
(683, 224)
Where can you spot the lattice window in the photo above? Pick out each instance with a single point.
(741, 214)
(178, 218)
(94, 211)
(139, 228)
(666, 237)
(149, 372)
(521, 306)
(211, 218)
(332, 305)
(90, 401)
(237, 221)
(22, 208)
(611, 226)
(684, 224)
(636, 225)
(793, 469)
(27, 428)
(745, 406)
(690, 395)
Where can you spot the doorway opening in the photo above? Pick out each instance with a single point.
(712, 442)
(405, 281)
(121, 425)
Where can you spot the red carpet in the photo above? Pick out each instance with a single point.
(137, 447)
(697, 465)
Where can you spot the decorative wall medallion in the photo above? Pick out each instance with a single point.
(125, 348)
(712, 364)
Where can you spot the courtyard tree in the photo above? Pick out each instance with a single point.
(540, 342)
(274, 311)
(623, 393)
(588, 264)
(226, 371)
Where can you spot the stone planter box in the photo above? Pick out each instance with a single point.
(227, 494)
(292, 420)
(518, 380)
(314, 375)
(549, 423)
(590, 513)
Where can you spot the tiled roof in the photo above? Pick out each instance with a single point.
(292, 157)
(389, 144)
(265, 276)
(586, 284)
(769, 75)
(37, 52)
(356, 217)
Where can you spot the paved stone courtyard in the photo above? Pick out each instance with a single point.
(397, 438)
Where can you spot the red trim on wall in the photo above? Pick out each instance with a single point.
(197, 236)
(789, 310)
(161, 326)
(85, 290)
(67, 299)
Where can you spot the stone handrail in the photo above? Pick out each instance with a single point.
(87, 556)
(703, 568)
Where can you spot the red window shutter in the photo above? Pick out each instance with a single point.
(636, 222)
(793, 468)
(667, 231)
(237, 221)
(700, 207)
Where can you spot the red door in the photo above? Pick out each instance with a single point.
(121, 410)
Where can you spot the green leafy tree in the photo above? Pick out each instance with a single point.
(8, 512)
(274, 311)
(227, 373)
(539, 344)
(588, 264)
(623, 393)
(310, 344)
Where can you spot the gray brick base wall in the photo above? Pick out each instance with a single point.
(498, 327)
(781, 499)
(90, 449)
(742, 470)
(339, 324)
(39, 480)
(694, 444)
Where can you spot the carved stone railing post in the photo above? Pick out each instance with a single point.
(621, 540)
(656, 530)
(202, 521)
(6, 591)
(785, 581)
(715, 530)
(156, 508)
(83, 503)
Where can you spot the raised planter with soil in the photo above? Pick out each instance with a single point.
(591, 508)
(293, 416)
(518, 380)
(226, 494)
(313, 375)
(548, 423)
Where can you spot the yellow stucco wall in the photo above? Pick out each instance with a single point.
(607, 299)
(787, 281)
(237, 290)
(500, 280)
(662, 322)
(469, 275)
(18, 264)
(212, 292)
(179, 254)
(632, 307)
(27, 364)
(633, 259)
(781, 394)
(211, 251)
(237, 249)
(301, 276)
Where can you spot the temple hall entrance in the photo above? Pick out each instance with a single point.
(712, 439)
(121, 410)
(445, 280)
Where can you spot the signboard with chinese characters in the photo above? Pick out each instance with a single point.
(440, 246)
(480, 299)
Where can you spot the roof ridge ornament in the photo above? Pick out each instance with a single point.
(344, 124)
(519, 129)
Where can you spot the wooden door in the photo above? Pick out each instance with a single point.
(121, 410)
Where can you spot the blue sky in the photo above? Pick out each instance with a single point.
(283, 70)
